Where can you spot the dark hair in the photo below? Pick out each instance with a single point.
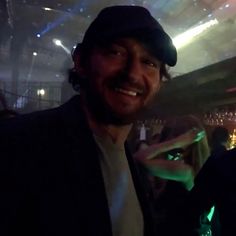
(198, 151)
(84, 51)
(219, 135)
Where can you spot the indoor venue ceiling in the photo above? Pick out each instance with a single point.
(32, 26)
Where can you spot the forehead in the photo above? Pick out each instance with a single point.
(131, 43)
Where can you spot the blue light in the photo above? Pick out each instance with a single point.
(38, 35)
(77, 8)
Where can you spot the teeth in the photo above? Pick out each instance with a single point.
(127, 92)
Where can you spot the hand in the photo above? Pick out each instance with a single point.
(199, 134)
(191, 136)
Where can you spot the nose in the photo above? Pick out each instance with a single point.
(134, 69)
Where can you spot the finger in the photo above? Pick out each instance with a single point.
(200, 135)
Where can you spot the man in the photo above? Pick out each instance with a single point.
(66, 171)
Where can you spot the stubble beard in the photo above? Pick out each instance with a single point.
(105, 114)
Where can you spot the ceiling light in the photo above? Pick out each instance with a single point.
(57, 42)
(41, 92)
(47, 9)
(186, 37)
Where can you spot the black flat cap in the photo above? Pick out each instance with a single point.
(135, 21)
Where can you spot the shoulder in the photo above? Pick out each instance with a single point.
(226, 163)
(231, 153)
(27, 123)
(220, 168)
(218, 151)
(40, 121)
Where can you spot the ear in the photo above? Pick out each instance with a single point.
(78, 65)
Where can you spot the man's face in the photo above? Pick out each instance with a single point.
(123, 78)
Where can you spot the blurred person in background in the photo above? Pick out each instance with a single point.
(220, 139)
(7, 113)
(172, 172)
(220, 143)
(215, 186)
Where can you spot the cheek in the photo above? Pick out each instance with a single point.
(100, 73)
(154, 84)
(95, 69)
(158, 85)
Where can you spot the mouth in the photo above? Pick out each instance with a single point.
(129, 92)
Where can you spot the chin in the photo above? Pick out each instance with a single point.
(110, 117)
(114, 119)
(114, 114)
(123, 118)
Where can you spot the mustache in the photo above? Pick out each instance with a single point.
(122, 80)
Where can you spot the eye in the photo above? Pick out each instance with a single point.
(151, 62)
(116, 50)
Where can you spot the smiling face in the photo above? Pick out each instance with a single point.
(122, 79)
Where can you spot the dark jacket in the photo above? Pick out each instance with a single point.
(218, 150)
(50, 177)
(216, 185)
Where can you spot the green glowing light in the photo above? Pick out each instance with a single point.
(210, 215)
